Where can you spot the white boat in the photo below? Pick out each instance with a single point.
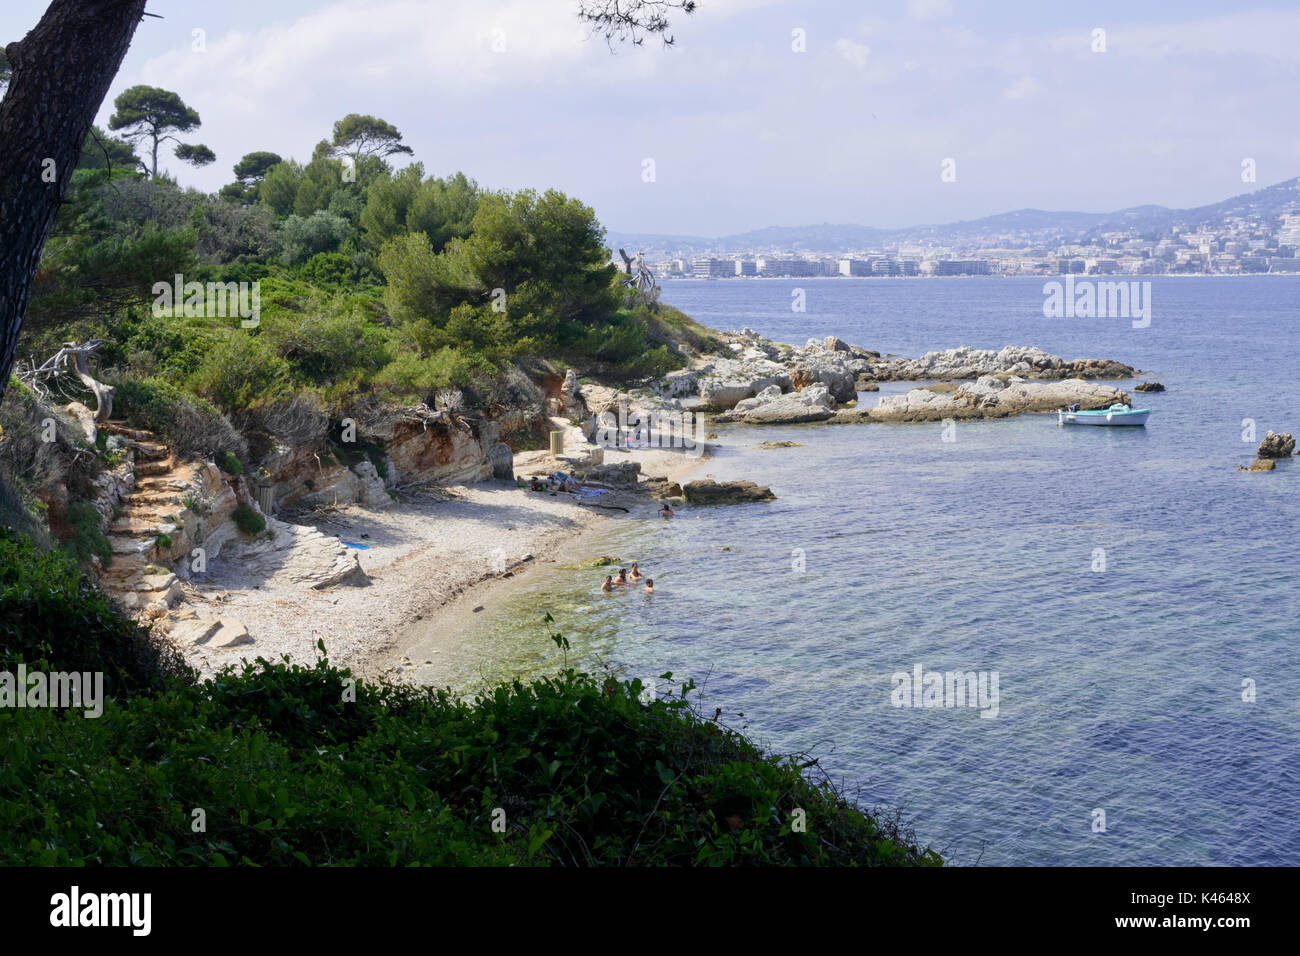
(1117, 414)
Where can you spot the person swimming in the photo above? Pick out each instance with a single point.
(609, 583)
(621, 580)
(649, 585)
(666, 511)
(635, 574)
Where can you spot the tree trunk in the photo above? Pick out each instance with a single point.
(61, 72)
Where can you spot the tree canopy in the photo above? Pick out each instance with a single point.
(358, 136)
(149, 113)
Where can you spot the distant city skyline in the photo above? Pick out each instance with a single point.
(748, 121)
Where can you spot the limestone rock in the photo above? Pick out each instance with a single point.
(992, 397)
(502, 460)
(708, 492)
(1149, 387)
(1276, 446)
(772, 407)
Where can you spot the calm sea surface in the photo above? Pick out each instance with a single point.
(1120, 690)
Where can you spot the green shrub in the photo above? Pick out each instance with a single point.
(230, 464)
(240, 371)
(248, 521)
(294, 769)
(86, 538)
(191, 425)
(303, 765)
(51, 611)
(162, 542)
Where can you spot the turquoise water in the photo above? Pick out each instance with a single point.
(1119, 689)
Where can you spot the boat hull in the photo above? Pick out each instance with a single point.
(1105, 418)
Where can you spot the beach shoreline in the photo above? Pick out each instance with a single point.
(429, 564)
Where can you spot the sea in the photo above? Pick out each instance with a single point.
(1134, 596)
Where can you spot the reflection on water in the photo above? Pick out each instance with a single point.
(1121, 689)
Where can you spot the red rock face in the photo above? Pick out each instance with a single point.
(442, 452)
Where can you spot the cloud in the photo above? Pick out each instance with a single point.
(928, 9)
(1022, 89)
(854, 53)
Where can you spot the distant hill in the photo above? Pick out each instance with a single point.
(1024, 225)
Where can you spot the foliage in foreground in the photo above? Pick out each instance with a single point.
(52, 612)
(577, 769)
(294, 765)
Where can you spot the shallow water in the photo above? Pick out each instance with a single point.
(1119, 689)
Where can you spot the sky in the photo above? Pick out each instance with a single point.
(762, 113)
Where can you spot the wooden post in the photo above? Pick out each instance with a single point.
(557, 444)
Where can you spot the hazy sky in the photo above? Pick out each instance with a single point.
(743, 130)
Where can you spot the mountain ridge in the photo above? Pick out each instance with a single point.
(1026, 225)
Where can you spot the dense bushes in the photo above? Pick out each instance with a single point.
(313, 769)
(295, 765)
(50, 611)
(191, 425)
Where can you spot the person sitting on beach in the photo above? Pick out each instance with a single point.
(536, 484)
(666, 511)
(649, 585)
(608, 585)
(635, 574)
(621, 580)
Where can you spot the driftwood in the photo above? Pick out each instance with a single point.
(72, 360)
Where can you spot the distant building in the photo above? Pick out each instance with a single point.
(746, 267)
(705, 267)
(961, 267)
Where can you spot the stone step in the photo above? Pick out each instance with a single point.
(125, 545)
(150, 469)
(153, 498)
(155, 483)
(135, 525)
(144, 449)
(135, 434)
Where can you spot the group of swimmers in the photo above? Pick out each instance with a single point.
(627, 578)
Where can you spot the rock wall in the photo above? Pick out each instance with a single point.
(419, 445)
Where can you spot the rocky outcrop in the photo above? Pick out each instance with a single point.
(1149, 387)
(1259, 464)
(965, 362)
(419, 445)
(1276, 446)
(772, 407)
(620, 474)
(989, 397)
(754, 384)
(708, 492)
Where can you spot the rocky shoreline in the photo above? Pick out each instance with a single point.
(770, 383)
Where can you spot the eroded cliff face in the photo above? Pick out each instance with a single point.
(394, 447)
